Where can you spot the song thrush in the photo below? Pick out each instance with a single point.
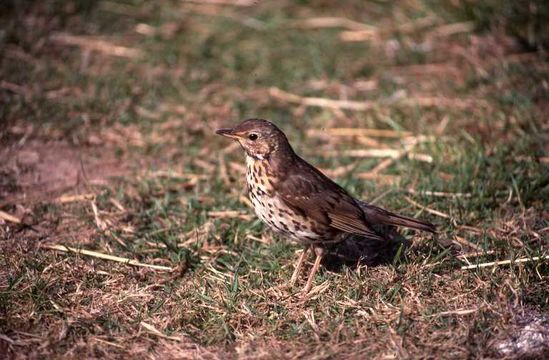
(298, 201)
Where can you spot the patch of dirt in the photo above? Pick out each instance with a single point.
(38, 171)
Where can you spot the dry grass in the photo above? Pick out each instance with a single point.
(108, 151)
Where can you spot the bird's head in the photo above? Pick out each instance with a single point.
(259, 138)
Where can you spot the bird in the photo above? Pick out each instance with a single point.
(298, 201)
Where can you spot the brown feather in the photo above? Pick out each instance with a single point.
(309, 191)
(377, 215)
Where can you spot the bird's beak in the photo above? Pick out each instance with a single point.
(227, 132)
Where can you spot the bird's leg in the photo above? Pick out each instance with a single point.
(298, 265)
(319, 254)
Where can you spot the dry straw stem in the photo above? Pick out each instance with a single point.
(106, 257)
(197, 234)
(339, 171)
(373, 153)
(452, 29)
(243, 3)
(464, 242)
(357, 35)
(391, 179)
(419, 101)
(438, 193)
(223, 172)
(465, 256)
(455, 312)
(102, 225)
(109, 343)
(429, 210)
(176, 175)
(7, 339)
(93, 44)
(406, 151)
(65, 199)
(205, 165)
(380, 153)
(443, 102)
(157, 332)
(383, 133)
(246, 201)
(370, 142)
(7, 217)
(230, 214)
(505, 262)
(334, 22)
(320, 102)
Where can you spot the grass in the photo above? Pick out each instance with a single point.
(137, 132)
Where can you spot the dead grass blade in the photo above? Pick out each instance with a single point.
(475, 254)
(339, 171)
(334, 22)
(390, 179)
(505, 262)
(464, 242)
(443, 102)
(223, 172)
(99, 255)
(65, 199)
(93, 44)
(383, 133)
(380, 153)
(455, 312)
(357, 35)
(452, 29)
(368, 34)
(6, 339)
(196, 235)
(243, 199)
(169, 174)
(231, 214)
(151, 329)
(438, 193)
(102, 225)
(7, 217)
(109, 343)
(320, 102)
(415, 101)
(429, 210)
(406, 151)
(366, 153)
(242, 3)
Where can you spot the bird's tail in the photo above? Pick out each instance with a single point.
(376, 215)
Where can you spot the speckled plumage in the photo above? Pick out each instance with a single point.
(296, 200)
(275, 212)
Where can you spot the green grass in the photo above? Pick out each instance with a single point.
(142, 130)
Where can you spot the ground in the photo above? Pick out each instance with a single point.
(107, 145)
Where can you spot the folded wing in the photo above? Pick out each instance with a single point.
(311, 193)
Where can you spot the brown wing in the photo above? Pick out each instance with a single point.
(377, 215)
(308, 191)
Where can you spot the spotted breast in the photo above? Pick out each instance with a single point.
(271, 209)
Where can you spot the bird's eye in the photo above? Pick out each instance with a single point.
(252, 137)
